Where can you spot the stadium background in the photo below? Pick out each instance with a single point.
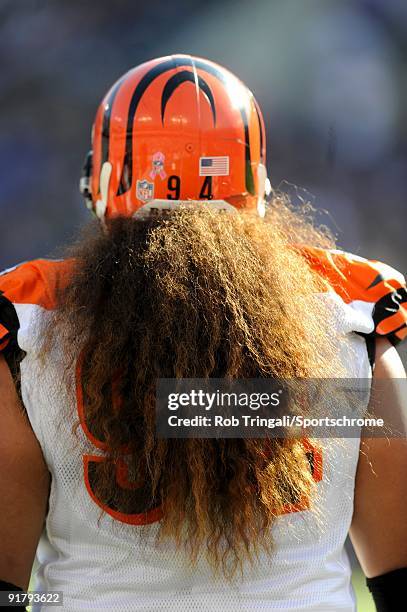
(329, 75)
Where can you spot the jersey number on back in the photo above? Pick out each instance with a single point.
(132, 502)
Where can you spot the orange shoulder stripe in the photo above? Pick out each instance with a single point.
(35, 282)
(352, 277)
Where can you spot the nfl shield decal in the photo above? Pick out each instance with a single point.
(145, 190)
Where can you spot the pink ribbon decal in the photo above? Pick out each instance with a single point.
(158, 166)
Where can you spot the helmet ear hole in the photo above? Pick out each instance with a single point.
(84, 183)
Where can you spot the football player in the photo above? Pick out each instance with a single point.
(193, 269)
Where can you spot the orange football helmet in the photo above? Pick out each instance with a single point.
(174, 129)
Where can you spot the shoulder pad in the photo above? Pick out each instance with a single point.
(33, 282)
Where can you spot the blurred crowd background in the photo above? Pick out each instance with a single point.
(330, 76)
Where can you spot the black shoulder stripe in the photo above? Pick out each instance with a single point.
(388, 305)
(12, 353)
(8, 315)
(379, 279)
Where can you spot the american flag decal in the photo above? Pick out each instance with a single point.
(214, 166)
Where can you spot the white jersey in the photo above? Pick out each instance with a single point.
(101, 563)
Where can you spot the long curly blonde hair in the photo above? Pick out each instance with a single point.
(196, 294)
